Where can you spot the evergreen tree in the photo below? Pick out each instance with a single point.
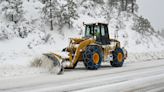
(113, 3)
(99, 1)
(143, 26)
(67, 13)
(59, 14)
(131, 6)
(49, 11)
(12, 9)
(124, 5)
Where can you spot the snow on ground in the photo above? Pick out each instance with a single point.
(140, 76)
(17, 54)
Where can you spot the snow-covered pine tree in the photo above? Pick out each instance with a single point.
(115, 6)
(143, 26)
(50, 11)
(67, 13)
(93, 8)
(131, 6)
(12, 10)
(124, 5)
(59, 13)
(99, 1)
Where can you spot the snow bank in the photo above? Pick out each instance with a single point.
(145, 56)
(11, 71)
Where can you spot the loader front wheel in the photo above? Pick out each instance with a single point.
(118, 58)
(92, 57)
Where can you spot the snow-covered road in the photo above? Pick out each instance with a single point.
(136, 77)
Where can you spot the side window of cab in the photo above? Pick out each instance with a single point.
(102, 30)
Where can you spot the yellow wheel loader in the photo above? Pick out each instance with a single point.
(92, 49)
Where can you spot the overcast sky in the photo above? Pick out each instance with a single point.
(154, 11)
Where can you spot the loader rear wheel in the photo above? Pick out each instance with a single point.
(92, 57)
(118, 58)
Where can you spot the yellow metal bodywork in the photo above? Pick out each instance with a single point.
(77, 47)
(81, 48)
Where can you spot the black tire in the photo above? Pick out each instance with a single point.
(118, 58)
(93, 57)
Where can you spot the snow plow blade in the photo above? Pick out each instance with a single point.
(49, 61)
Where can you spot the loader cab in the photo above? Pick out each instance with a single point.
(99, 31)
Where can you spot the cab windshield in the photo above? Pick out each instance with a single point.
(91, 31)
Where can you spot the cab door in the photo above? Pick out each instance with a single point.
(104, 38)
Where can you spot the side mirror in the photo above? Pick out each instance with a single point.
(83, 23)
